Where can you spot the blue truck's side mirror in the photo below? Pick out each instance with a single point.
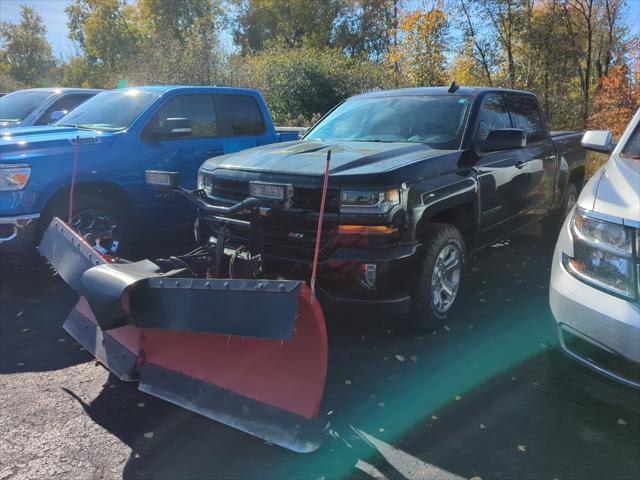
(172, 128)
(57, 115)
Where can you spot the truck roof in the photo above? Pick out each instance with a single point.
(167, 88)
(64, 90)
(461, 91)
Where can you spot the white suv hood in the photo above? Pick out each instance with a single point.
(618, 191)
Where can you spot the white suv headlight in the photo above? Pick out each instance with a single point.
(602, 254)
(14, 176)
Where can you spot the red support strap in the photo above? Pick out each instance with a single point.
(319, 233)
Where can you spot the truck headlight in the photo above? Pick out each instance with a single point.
(14, 176)
(602, 254)
(368, 201)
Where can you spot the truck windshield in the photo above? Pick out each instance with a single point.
(17, 105)
(110, 111)
(437, 121)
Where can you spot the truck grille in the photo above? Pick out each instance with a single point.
(291, 233)
(303, 198)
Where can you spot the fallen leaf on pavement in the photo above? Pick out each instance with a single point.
(25, 330)
(148, 435)
(458, 397)
(482, 427)
(434, 417)
(447, 328)
(414, 358)
(381, 404)
(141, 404)
(522, 448)
(19, 314)
(400, 358)
(347, 382)
(622, 421)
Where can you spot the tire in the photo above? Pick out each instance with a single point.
(445, 245)
(553, 223)
(102, 222)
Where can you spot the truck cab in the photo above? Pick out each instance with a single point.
(89, 167)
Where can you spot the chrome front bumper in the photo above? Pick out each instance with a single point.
(604, 321)
(14, 227)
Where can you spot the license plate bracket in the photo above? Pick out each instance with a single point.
(277, 193)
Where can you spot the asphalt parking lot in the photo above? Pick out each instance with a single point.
(486, 396)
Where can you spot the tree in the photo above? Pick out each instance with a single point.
(176, 18)
(617, 99)
(366, 28)
(420, 52)
(289, 23)
(25, 53)
(302, 84)
(106, 30)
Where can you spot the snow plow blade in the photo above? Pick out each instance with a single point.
(250, 353)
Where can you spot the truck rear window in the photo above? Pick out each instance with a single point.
(437, 121)
(17, 105)
(242, 113)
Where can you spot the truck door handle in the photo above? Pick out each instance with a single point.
(520, 164)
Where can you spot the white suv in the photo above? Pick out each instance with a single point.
(595, 286)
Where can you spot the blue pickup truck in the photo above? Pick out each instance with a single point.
(104, 147)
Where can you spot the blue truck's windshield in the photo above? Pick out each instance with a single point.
(17, 105)
(110, 111)
(437, 121)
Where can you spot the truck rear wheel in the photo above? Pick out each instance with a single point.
(106, 226)
(440, 275)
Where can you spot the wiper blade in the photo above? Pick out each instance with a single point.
(73, 125)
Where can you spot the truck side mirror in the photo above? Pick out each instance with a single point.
(598, 141)
(172, 128)
(57, 115)
(503, 139)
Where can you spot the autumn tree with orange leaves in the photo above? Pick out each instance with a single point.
(618, 95)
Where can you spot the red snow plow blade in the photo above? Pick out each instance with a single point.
(248, 352)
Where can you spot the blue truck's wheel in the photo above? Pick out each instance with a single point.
(100, 221)
(440, 277)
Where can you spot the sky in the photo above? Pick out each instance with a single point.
(52, 11)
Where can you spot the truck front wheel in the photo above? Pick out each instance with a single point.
(440, 275)
(101, 222)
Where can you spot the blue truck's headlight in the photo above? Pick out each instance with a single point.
(14, 176)
(368, 201)
(602, 254)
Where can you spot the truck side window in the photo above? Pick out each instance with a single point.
(493, 116)
(65, 104)
(243, 114)
(199, 109)
(526, 116)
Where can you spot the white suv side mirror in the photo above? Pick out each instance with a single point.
(598, 141)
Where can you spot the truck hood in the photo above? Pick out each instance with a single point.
(22, 144)
(618, 189)
(309, 157)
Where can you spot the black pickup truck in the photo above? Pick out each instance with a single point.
(419, 179)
